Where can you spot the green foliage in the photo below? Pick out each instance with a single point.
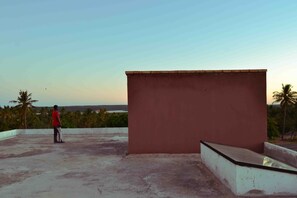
(9, 119)
(275, 122)
(41, 118)
(272, 128)
(117, 119)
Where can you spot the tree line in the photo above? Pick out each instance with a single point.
(25, 115)
(281, 118)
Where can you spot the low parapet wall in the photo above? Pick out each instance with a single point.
(13, 133)
(248, 173)
(9, 134)
(280, 153)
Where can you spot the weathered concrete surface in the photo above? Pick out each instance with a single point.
(97, 166)
(289, 145)
(281, 153)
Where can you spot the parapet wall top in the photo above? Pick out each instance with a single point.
(196, 71)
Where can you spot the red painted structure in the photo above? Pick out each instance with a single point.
(171, 111)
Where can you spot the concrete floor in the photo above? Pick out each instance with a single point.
(97, 166)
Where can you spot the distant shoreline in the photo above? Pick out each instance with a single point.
(92, 107)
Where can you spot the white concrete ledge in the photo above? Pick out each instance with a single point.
(249, 179)
(13, 133)
(280, 153)
(77, 131)
(8, 134)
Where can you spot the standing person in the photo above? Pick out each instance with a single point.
(57, 125)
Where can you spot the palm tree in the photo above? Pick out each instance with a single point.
(24, 103)
(286, 97)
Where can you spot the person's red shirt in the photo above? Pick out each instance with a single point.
(56, 118)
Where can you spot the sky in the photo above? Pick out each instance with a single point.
(76, 52)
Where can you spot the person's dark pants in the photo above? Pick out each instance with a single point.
(56, 131)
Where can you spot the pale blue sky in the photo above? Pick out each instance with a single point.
(74, 52)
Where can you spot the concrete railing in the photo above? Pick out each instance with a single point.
(13, 133)
(280, 153)
(9, 134)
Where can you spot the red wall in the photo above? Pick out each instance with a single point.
(170, 112)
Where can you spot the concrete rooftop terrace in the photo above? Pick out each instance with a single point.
(96, 165)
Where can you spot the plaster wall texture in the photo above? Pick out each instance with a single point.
(169, 112)
(223, 169)
(253, 181)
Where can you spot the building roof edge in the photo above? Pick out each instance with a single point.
(196, 71)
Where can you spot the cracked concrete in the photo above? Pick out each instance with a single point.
(97, 166)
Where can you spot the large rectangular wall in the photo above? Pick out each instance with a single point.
(171, 111)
